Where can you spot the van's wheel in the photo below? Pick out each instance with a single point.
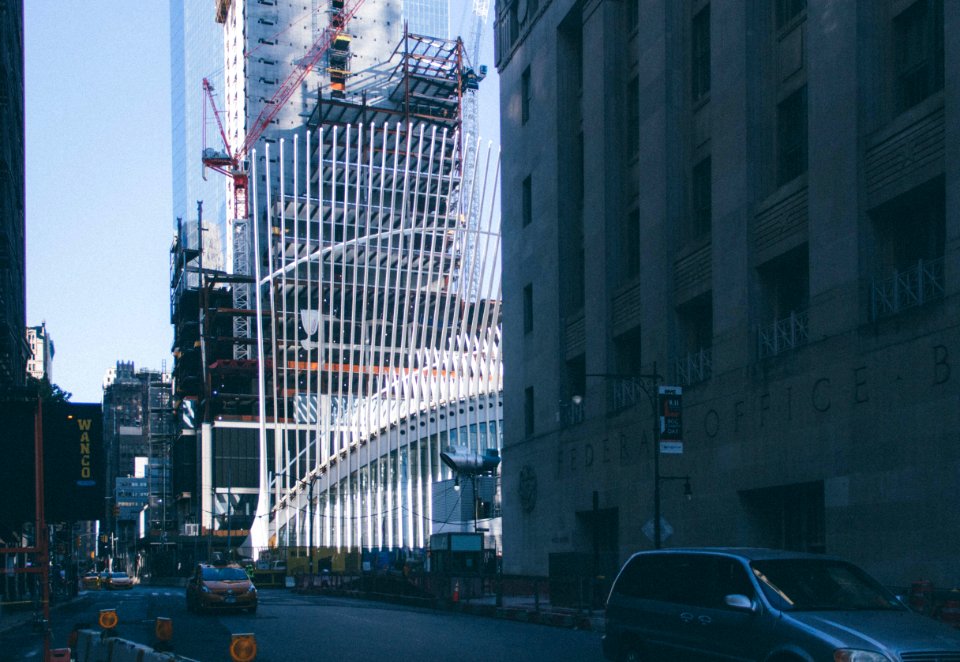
(631, 654)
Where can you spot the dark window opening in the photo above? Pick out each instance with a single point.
(528, 423)
(700, 54)
(787, 10)
(528, 308)
(911, 227)
(702, 198)
(785, 284)
(792, 136)
(918, 46)
(525, 96)
(632, 126)
(788, 517)
(626, 349)
(527, 201)
(630, 246)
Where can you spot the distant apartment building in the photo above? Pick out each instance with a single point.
(40, 363)
(756, 202)
(138, 427)
(13, 346)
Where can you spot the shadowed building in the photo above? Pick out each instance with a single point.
(755, 200)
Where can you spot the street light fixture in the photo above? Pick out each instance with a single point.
(652, 392)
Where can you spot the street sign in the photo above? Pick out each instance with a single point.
(670, 407)
(665, 529)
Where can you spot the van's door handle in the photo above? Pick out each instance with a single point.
(687, 617)
(705, 620)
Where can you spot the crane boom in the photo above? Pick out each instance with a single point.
(272, 107)
(230, 162)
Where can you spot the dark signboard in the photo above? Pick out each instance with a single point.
(73, 459)
(671, 419)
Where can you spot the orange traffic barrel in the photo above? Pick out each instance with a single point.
(108, 619)
(163, 629)
(243, 647)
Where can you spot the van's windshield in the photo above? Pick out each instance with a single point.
(821, 584)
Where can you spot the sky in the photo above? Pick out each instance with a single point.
(99, 219)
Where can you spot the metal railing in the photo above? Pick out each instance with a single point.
(910, 288)
(627, 392)
(695, 367)
(570, 413)
(783, 335)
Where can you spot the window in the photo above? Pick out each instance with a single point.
(528, 426)
(792, 136)
(630, 246)
(700, 54)
(525, 96)
(528, 308)
(632, 128)
(633, 13)
(527, 195)
(700, 580)
(701, 181)
(910, 239)
(785, 289)
(695, 331)
(787, 10)
(918, 47)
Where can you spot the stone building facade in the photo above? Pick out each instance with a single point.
(755, 201)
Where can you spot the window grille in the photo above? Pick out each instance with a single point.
(906, 289)
(783, 335)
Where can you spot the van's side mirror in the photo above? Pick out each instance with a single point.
(739, 602)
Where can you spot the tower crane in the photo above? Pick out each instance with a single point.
(231, 162)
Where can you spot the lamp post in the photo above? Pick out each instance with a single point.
(652, 396)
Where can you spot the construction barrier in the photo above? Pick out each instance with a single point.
(92, 646)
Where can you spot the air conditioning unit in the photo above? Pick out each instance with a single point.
(191, 529)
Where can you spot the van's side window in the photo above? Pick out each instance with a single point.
(697, 580)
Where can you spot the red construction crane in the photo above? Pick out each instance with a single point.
(230, 162)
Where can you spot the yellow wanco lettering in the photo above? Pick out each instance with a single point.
(85, 425)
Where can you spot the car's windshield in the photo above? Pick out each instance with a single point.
(118, 575)
(224, 574)
(820, 584)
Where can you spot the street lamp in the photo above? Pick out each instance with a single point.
(652, 393)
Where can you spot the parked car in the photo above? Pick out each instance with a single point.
(117, 581)
(221, 587)
(760, 604)
(91, 581)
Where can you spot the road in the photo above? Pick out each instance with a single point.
(289, 626)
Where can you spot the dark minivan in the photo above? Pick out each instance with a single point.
(766, 606)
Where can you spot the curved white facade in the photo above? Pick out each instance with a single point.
(380, 341)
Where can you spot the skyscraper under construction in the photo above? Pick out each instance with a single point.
(353, 333)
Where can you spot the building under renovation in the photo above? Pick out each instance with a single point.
(354, 334)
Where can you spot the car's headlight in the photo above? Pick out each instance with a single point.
(204, 589)
(852, 655)
(252, 589)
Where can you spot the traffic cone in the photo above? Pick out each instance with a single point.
(456, 592)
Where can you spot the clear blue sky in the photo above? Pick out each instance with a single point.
(98, 212)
